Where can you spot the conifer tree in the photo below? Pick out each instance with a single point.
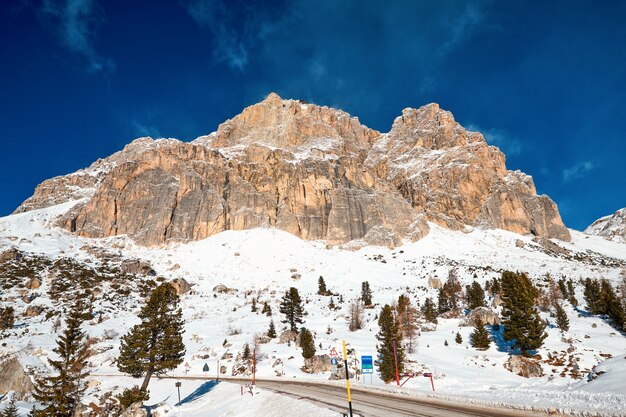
(321, 286)
(356, 316)
(366, 294)
(562, 321)
(521, 321)
(592, 296)
(267, 310)
(271, 331)
(154, 346)
(407, 321)
(10, 410)
(479, 338)
(246, 355)
(307, 343)
(458, 339)
(610, 304)
(61, 393)
(291, 307)
(429, 311)
(388, 335)
(475, 296)
(443, 303)
(563, 288)
(253, 308)
(331, 304)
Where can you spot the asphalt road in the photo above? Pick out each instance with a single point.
(374, 404)
(367, 403)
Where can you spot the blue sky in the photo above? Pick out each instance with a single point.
(545, 81)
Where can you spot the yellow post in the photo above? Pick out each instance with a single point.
(345, 361)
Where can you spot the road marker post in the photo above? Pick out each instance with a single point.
(178, 384)
(345, 360)
(395, 360)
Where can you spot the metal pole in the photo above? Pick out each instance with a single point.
(345, 361)
(253, 368)
(395, 359)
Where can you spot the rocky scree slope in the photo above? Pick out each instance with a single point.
(313, 171)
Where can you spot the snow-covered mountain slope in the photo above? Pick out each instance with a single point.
(227, 270)
(612, 227)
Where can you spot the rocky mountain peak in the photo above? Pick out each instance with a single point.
(293, 125)
(612, 227)
(311, 170)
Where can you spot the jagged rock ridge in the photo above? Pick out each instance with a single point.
(612, 227)
(313, 171)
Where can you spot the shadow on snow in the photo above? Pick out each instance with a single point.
(199, 392)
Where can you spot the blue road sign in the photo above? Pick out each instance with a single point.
(333, 361)
(367, 364)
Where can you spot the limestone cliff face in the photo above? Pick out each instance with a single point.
(313, 171)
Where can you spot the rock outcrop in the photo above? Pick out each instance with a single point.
(611, 227)
(313, 171)
(483, 314)
(13, 377)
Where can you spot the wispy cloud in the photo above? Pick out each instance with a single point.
(230, 46)
(509, 144)
(578, 170)
(75, 22)
(141, 129)
(462, 26)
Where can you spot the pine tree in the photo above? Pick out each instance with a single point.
(253, 308)
(429, 311)
(407, 320)
(475, 296)
(321, 286)
(271, 331)
(267, 310)
(458, 339)
(563, 288)
(522, 323)
(495, 287)
(10, 410)
(307, 343)
(443, 303)
(331, 304)
(291, 307)
(7, 318)
(592, 296)
(246, 355)
(388, 336)
(610, 304)
(479, 338)
(61, 393)
(154, 346)
(562, 321)
(366, 294)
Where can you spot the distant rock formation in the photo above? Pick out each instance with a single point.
(611, 227)
(313, 171)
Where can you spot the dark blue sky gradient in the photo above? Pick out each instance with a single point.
(545, 81)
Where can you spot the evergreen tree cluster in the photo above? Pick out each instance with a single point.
(567, 290)
(475, 296)
(602, 299)
(271, 331)
(291, 307)
(366, 294)
(450, 294)
(321, 287)
(521, 321)
(429, 311)
(389, 336)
